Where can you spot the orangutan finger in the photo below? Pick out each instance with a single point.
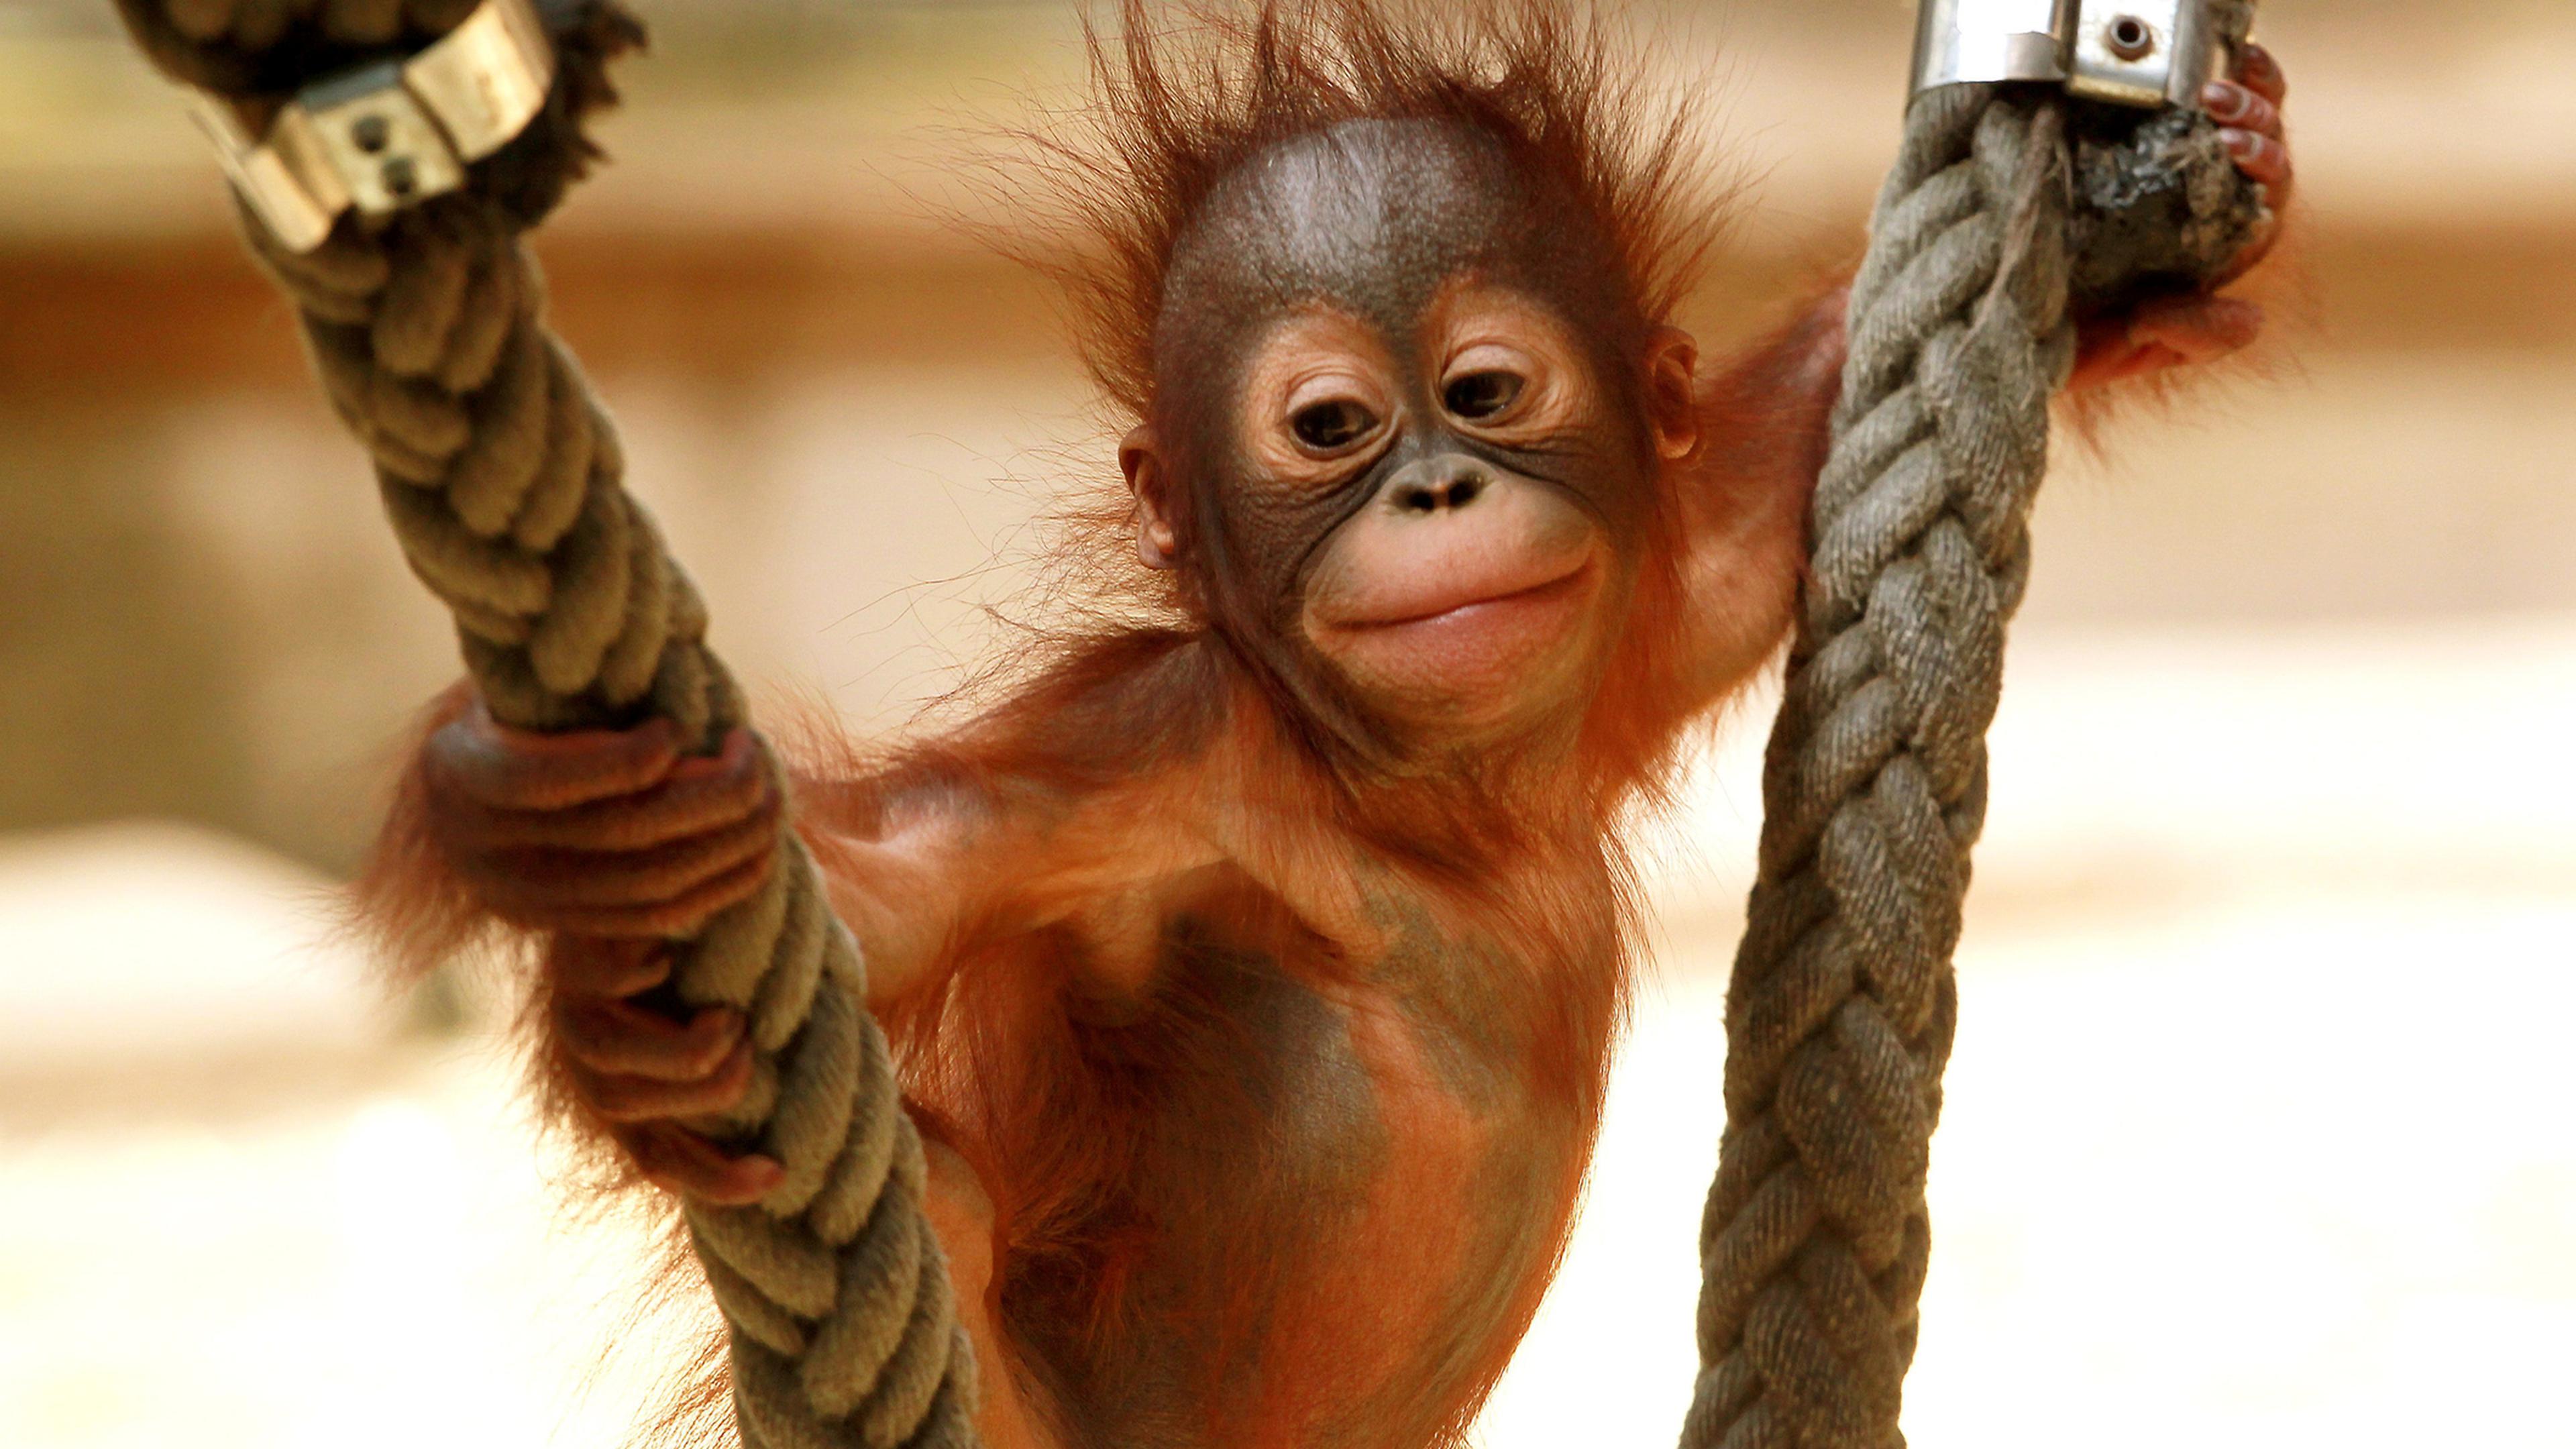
(2231, 104)
(2261, 70)
(597, 968)
(2196, 328)
(674, 1158)
(619, 1098)
(506, 769)
(577, 879)
(700, 794)
(2263, 158)
(671, 919)
(617, 1038)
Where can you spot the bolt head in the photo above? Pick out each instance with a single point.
(2129, 37)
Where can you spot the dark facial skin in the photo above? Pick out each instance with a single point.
(1407, 404)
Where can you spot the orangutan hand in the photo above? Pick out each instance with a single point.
(600, 833)
(643, 1074)
(2200, 327)
(616, 843)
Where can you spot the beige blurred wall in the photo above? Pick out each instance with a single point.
(849, 413)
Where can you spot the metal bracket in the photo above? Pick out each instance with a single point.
(2146, 53)
(391, 134)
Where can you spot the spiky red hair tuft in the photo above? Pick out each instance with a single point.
(1176, 106)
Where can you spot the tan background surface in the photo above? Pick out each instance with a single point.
(2258, 1124)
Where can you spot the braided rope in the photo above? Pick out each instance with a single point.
(1815, 1240)
(501, 476)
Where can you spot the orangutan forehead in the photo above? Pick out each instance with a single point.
(1373, 215)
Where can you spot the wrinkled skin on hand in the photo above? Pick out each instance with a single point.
(616, 843)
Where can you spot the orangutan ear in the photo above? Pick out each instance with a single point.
(1140, 457)
(1672, 392)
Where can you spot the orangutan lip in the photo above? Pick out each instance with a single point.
(1564, 583)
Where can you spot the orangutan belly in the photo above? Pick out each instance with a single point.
(1343, 1215)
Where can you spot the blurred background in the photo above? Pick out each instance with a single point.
(2258, 1125)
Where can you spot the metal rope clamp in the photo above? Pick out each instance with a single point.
(2143, 53)
(2158, 202)
(391, 134)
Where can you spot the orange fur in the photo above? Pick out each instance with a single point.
(1178, 108)
(405, 902)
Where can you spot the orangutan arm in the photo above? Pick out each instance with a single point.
(612, 843)
(1764, 418)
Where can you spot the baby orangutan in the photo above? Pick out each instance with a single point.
(1256, 975)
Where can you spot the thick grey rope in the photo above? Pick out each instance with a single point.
(1815, 1239)
(501, 476)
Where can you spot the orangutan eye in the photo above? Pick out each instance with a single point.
(1482, 395)
(1329, 427)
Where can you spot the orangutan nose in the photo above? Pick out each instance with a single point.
(1439, 485)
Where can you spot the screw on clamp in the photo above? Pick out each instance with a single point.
(2144, 53)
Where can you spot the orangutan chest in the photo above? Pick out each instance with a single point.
(1342, 1196)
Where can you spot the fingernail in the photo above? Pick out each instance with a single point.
(2236, 141)
(2223, 101)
